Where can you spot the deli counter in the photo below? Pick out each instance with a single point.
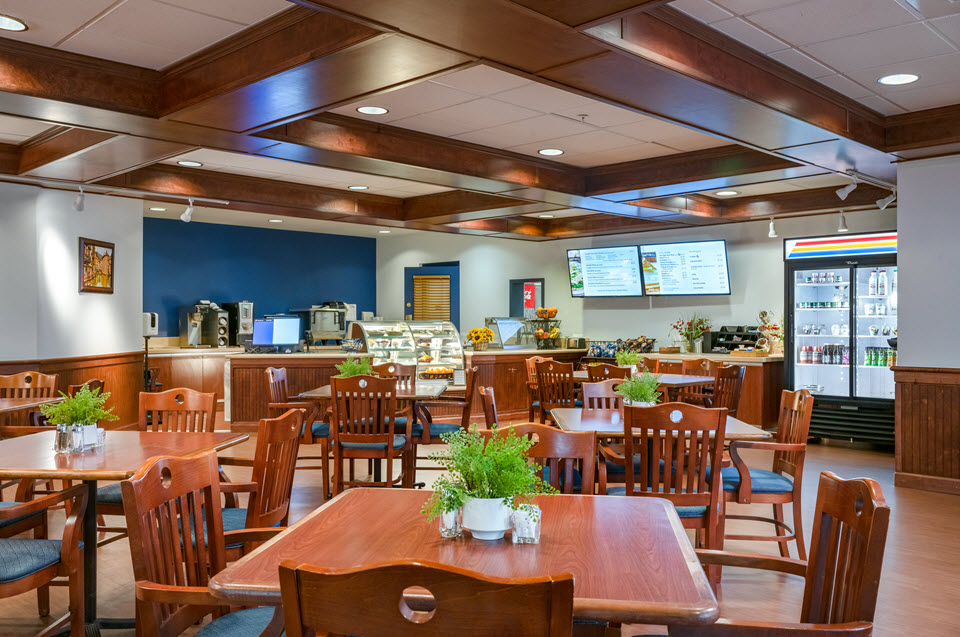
(433, 346)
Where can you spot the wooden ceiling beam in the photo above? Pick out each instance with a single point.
(801, 201)
(927, 129)
(57, 144)
(9, 158)
(590, 225)
(459, 205)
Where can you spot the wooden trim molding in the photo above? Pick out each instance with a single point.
(928, 428)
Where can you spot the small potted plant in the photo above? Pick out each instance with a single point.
(480, 336)
(628, 359)
(489, 479)
(641, 390)
(691, 332)
(353, 367)
(83, 409)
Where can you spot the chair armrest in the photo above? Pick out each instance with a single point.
(251, 535)
(189, 595)
(442, 403)
(612, 455)
(748, 560)
(40, 504)
(732, 628)
(238, 487)
(231, 461)
(769, 446)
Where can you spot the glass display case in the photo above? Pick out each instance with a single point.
(433, 346)
(509, 333)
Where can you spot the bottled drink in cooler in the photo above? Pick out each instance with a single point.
(872, 284)
(882, 283)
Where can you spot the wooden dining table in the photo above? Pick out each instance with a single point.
(14, 412)
(122, 454)
(419, 391)
(608, 423)
(630, 557)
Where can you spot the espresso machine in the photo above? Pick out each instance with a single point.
(240, 318)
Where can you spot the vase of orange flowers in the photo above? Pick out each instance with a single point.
(480, 337)
(691, 331)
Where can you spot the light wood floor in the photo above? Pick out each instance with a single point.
(918, 592)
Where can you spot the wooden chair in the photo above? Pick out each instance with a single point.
(315, 432)
(406, 376)
(727, 384)
(553, 446)
(274, 463)
(427, 432)
(744, 485)
(33, 564)
(25, 385)
(697, 394)
(364, 601)
(167, 501)
(555, 385)
(153, 379)
(179, 409)
(603, 371)
(37, 419)
(842, 576)
(533, 394)
(364, 409)
(650, 364)
(601, 395)
(489, 406)
(669, 367)
(679, 448)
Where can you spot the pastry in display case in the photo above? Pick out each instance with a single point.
(433, 346)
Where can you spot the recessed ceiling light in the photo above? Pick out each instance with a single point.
(9, 23)
(898, 78)
(726, 193)
(189, 163)
(158, 209)
(550, 152)
(276, 220)
(384, 231)
(372, 110)
(358, 187)
(545, 216)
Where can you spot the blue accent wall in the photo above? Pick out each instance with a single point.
(276, 269)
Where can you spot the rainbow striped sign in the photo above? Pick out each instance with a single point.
(856, 245)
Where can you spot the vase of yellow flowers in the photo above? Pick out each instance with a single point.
(480, 337)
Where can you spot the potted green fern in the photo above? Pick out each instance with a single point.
(354, 367)
(628, 359)
(489, 479)
(640, 390)
(83, 408)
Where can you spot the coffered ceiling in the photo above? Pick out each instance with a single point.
(656, 106)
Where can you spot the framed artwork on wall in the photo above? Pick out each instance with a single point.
(96, 266)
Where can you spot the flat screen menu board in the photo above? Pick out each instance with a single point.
(694, 268)
(605, 272)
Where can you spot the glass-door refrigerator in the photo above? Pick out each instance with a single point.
(841, 314)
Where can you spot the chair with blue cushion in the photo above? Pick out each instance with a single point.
(556, 387)
(677, 445)
(427, 432)
(315, 432)
(842, 576)
(567, 458)
(364, 414)
(179, 409)
(602, 394)
(163, 502)
(271, 484)
(605, 371)
(782, 484)
(27, 564)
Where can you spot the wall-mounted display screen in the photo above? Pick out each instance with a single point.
(605, 272)
(694, 268)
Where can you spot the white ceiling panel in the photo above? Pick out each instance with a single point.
(812, 21)
(541, 97)
(928, 97)
(950, 26)
(482, 80)
(560, 214)
(602, 114)
(703, 10)
(50, 21)
(466, 117)
(879, 48)
(621, 154)
(244, 12)
(14, 130)
(800, 61)
(756, 38)
(843, 84)
(746, 7)
(409, 101)
(935, 70)
(526, 131)
(881, 105)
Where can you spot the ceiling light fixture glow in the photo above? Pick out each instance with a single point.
(189, 163)
(188, 213)
(846, 190)
(9, 23)
(886, 201)
(773, 230)
(157, 209)
(726, 193)
(546, 216)
(275, 220)
(550, 152)
(842, 225)
(383, 231)
(358, 187)
(898, 78)
(372, 110)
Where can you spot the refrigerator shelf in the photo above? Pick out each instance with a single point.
(874, 316)
(816, 309)
(822, 336)
(823, 285)
(799, 365)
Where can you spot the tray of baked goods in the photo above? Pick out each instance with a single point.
(436, 373)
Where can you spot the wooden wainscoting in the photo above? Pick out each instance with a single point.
(121, 373)
(928, 428)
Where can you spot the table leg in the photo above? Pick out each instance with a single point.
(90, 554)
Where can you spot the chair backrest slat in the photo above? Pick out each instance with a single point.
(28, 385)
(468, 395)
(601, 395)
(650, 364)
(274, 463)
(364, 408)
(552, 446)
(178, 409)
(699, 367)
(556, 384)
(793, 427)
(406, 375)
(364, 601)
(727, 383)
(489, 406)
(605, 371)
(846, 553)
(277, 389)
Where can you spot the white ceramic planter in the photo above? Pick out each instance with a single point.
(627, 401)
(486, 518)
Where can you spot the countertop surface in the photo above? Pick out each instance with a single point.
(313, 353)
(194, 351)
(726, 358)
(526, 351)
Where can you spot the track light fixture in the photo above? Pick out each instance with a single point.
(846, 190)
(188, 213)
(886, 201)
(842, 225)
(78, 202)
(773, 230)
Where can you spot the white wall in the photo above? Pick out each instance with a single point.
(928, 257)
(18, 272)
(47, 315)
(486, 264)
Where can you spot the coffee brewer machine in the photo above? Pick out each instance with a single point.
(191, 326)
(240, 319)
(203, 325)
